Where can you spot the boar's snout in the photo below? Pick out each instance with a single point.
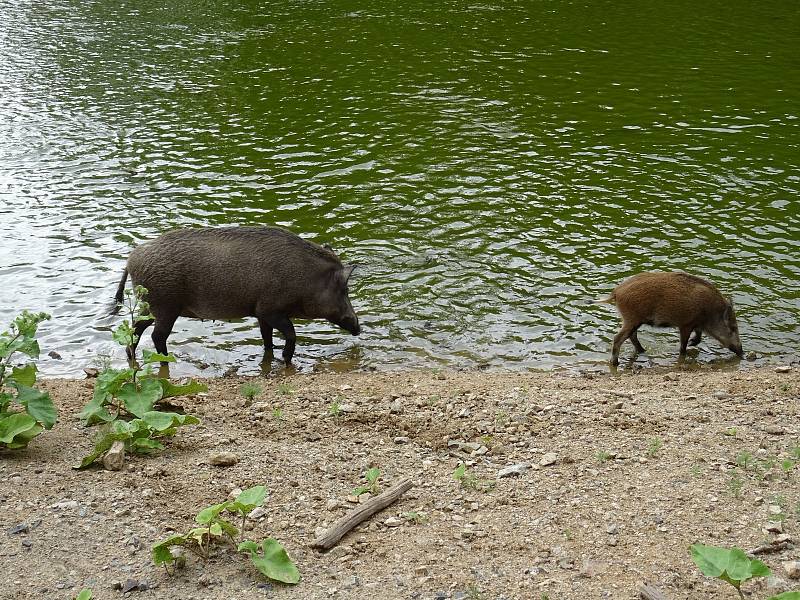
(350, 323)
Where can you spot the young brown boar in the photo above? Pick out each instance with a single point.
(234, 272)
(677, 300)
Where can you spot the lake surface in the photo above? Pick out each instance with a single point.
(489, 166)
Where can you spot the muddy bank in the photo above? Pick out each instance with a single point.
(614, 477)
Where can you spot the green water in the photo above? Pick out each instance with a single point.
(489, 167)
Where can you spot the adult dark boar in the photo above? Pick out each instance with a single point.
(673, 300)
(234, 272)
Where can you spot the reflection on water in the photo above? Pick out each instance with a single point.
(490, 168)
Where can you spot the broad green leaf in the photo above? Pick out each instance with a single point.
(215, 529)
(140, 401)
(273, 561)
(85, 594)
(171, 390)
(14, 425)
(38, 404)
(146, 445)
(149, 357)
(252, 497)
(198, 534)
(161, 553)
(24, 375)
(25, 437)
(373, 474)
(95, 411)
(205, 516)
(786, 596)
(123, 334)
(165, 422)
(5, 400)
(228, 527)
(248, 546)
(731, 565)
(111, 380)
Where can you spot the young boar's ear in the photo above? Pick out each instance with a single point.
(347, 271)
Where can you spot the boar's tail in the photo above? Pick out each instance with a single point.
(119, 297)
(610, 299)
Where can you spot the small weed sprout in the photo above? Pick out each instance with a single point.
(250, 391)
(335, 409)
(745, 460)
(730, 431)
(473, 592)
(602, 456)
(84, 594)
(695, 470)
(418, 518)
(654, 447)
(278, 415)
(501, 419)
(284, 389)
(465, 478)
(487, 440)
(372, 475)
(735, 485)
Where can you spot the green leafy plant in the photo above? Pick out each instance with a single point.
(745, 460)
(270, 558)
(730, 431)
(284, 389)
(786, 596)
(465, 478)
(730, 565)
(250, 390)
(278, 414)
(602, 455)
(418, 518)
(654, 447)
(84, 594)
(372, 475)
(335, 409)
(124, 399)
(735, 485)
(18, 428)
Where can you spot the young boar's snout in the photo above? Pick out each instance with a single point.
(350, 323)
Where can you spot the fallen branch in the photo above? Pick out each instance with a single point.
(648, 592)
(776, 546)
(361, 513)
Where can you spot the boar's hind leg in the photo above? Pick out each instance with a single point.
(698, 335)
(266, 334)
(161, 331)
(635, 341)
(623, 335)
(284, 325)
(138, 330)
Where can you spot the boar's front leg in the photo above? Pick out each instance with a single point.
(685, 332)
(284, 325)
(698, 335)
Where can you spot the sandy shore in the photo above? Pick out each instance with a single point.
(618, 476)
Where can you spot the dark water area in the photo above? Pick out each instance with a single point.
(490, 167)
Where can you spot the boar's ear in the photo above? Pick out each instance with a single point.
(347, 271)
